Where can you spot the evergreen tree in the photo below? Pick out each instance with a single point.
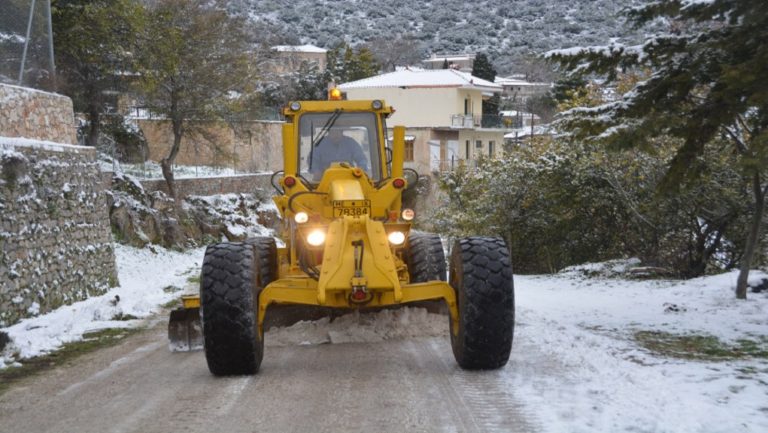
(445, 64)
(94, 41)
(482, 68)
(708, 79)
(345, 64)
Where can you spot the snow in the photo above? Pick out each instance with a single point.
(40, 144)
(576, 365)
(584, 326)
(414, 78)
(143, 274)
(308, 48)
(575, 362)
(361, 328)
(153, 171)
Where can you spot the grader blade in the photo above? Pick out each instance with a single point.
(185, 331)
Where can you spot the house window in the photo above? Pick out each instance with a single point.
(467, 150)
(409, 150)
(479, 144)
(491, 149)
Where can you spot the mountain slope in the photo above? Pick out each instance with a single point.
(506, 30)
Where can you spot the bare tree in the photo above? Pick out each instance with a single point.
(403, 50)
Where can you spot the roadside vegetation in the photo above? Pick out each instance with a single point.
(701, 347)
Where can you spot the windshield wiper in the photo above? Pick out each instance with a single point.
(324, 130)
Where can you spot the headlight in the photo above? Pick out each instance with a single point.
(301, 217)
(295, 106)
(408, 214)
(396, 238)
(316, 238)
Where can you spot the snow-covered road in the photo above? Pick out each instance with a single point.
(575, 366)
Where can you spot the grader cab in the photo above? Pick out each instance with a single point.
(348, 245)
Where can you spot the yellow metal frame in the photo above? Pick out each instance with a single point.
(304, 291)
(380, 271)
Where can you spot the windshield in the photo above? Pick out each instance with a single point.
(326, 138)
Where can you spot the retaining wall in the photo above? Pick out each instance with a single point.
(245, 183)
(55, 238)
(35, 114)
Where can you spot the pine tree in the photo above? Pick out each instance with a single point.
(708, 79)
(482, 68)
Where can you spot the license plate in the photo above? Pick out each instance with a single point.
(354, 208)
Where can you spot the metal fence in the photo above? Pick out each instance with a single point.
(26, 44)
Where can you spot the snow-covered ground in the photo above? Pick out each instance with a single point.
(152, 170)
(601, 380)
(575, 360)
(148, 277)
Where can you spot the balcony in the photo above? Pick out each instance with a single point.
(462, 121)
(471, 121)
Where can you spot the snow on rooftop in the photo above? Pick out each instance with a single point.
(450, 57)
(308, 48)
(414, 78)
(511, 81)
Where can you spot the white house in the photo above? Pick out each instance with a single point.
(288, 58)
(442, 111)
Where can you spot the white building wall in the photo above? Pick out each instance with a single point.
(428, 107)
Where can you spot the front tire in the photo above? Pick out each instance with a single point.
(481, 275)
(232, 278)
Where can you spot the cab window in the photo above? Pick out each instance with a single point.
(349, 138)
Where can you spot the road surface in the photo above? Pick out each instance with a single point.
(393, 386)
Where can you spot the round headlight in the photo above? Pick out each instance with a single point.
(408, 214)
(316, 238)
(396, 238)
(295, 106)
(377, 105)
(301, 217)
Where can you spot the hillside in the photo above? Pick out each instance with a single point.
(507, 31)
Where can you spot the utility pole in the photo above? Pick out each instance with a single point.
(51, 62)
(26, 43)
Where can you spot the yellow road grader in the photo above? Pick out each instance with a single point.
(348, 245)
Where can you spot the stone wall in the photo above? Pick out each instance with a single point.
(55, 241)
(247, 183)
(36, 115)
(55, 238)
(249, 147)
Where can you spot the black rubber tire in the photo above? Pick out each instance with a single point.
(425, 257)
(233, 275)
(481, 275)
(265, 251)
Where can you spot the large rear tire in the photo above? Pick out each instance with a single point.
(425, 257)
(232, 278)
(481, 275)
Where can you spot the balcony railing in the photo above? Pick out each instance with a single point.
(479, 121)
(462, 121)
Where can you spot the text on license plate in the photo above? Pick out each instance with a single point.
(355, 208)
